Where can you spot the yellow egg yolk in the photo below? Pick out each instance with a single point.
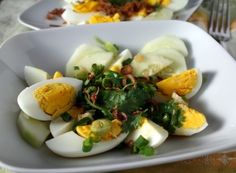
(104, 19)
(55, 98)
(181, 84)
(193, 119)
(160, 2)
(85, 131)
(57, 74)
(85, 7)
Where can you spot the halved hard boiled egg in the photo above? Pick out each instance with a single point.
(117, 64)
(194, 122)
(151, 131)
(185, 84)
(70, 144)
(48, 99)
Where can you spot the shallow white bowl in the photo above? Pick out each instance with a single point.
(35, 16)
(50, 49)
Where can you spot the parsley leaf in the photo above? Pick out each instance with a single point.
(170, 116)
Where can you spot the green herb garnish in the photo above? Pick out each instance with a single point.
(66, 117)
(170, 116)
(141, 146)
(87, 145)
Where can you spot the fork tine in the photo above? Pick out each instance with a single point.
(228, 20)
(218, 16)
(212, 16)
(219, 26)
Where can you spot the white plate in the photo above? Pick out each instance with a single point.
(50, 50)
(35, 16)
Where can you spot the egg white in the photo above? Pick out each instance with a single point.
(29, 105)
(189, 131)
(58, 126)
(70, 144)
(198, 85)
(151, 131)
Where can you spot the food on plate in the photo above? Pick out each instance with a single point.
(107, 97)
(99, 11)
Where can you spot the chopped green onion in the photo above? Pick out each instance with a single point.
(141, 146)
(141, 142)
(66, 117)
(84, 121)
(147, 151)
(87, 145)
(76, 68)
(108, 46)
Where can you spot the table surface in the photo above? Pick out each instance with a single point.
(223, 162)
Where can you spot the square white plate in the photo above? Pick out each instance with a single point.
(35, 16)
(50, 50)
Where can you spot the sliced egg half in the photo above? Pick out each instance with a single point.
(75, 18)
(194, 122)
(117, 65)
(186, 83)
(70, 144)
(151, 131)
(30, 105)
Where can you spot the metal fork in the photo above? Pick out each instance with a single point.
(219, 27)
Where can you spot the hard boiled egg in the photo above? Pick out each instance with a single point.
(185, 84)
(154, 133)
(49, 98)
(70, 145)
(194, 122)
(71, 17)
(117, 65)
(58, 126)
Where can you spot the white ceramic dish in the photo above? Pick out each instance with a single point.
(50, 49)
(35, 16)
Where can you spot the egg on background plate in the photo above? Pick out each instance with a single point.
(185, 84)
(48, 99)
(84, 11)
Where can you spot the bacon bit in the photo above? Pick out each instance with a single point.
(130, 143)
(127, 69)
(119, 115)
(55, 13)
(126, 11)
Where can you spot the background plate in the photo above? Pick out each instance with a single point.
(50, 50)
(35, 16)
